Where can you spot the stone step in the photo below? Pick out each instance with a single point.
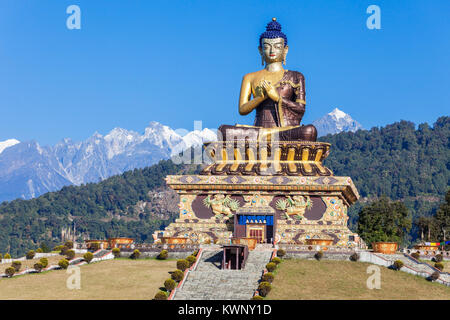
(208, 281)
(422, 267)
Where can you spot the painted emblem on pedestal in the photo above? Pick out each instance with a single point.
(256, 200)
(221, 204)
(294, 206)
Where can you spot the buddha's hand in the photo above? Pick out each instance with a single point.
(270, 90)
(259, 92)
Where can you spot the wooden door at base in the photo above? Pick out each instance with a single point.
(256, 232)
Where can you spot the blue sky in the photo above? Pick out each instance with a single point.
(174, 62)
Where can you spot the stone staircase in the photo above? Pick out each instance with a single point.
(418, 266)
(101, 253)
(209, 282)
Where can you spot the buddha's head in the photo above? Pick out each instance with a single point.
(273, 43)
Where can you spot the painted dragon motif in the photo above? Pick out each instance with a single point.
(294, 206)
(221, 205)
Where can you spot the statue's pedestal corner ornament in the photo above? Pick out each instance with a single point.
(267, 181)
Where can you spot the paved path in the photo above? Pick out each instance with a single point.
(209, 282)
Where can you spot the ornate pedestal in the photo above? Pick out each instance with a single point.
(247, 157)
(282, 209)
(274, 192)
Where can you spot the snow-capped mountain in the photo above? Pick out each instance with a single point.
(7, 143)
(28, 170)
(334, 122)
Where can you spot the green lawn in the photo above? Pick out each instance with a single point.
(118, 279)
(310, 279)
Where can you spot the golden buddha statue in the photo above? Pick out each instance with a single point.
(278, 95)
(276, 144)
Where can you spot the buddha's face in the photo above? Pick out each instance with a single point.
(273, 50)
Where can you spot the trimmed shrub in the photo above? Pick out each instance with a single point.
(163, 255)
(39, 250)
(195, 253)
(38, 267)
(177, 275)
(438, 258)
(271, 266)
(276, 260)
(136, 254)
(45, 248)
(116, 252)
(161, 295)
(7, 256)
(58, 248)
(63, 263)
(30, 254)
(354, 257)
(398, 264)
(70, 254)
(434, 276)
(88, 256)
(415, 255)
(44, 262)
(170, 284)
(439, 265)
(94, 246)
(257, 297)
(16, 265)
(264, 288)
(1, 257)
(10, 271)
(182, 264)
(68, 244)
(191, 260)
(318, 255)
(267, 277)
(63, 251)
(281, 253)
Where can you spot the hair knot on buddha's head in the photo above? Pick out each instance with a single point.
(273, 31)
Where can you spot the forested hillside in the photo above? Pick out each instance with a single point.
(397, 161)
(100, 210)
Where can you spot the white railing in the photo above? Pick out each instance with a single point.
(370, 257)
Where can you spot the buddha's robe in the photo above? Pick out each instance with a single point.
(280, 118)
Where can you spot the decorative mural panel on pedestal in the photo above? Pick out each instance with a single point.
(313, 209)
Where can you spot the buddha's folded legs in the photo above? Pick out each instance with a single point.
(299, 133)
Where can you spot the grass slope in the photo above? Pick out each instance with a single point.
(113, 279)
(319, 280)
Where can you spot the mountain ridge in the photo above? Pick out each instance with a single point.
(27, 168)
(99, 156)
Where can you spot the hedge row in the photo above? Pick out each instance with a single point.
(265, 284)
(177, 275)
